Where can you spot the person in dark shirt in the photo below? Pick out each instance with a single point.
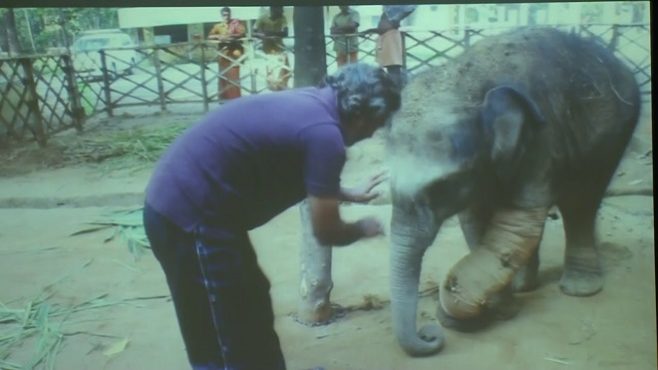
(241, 165)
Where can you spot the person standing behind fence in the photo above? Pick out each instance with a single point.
(228, 32)
(389, 52)
(271, 29)
(346, 47)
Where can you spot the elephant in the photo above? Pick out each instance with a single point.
(518, 123)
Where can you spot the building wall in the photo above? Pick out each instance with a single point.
(426, 16)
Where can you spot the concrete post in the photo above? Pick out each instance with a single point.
(315, 275)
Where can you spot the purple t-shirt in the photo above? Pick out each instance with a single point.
(250, 159)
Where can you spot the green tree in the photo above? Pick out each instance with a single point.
(38, 29)
(11, 34)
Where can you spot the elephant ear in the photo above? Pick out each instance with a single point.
(510, 117)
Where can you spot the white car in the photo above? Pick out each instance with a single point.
(119, 57)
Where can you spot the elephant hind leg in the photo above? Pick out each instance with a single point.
(583, 275)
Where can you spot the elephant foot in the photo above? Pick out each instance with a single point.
(581, 283)
(582, 275)
(503, 306)
(467, 326)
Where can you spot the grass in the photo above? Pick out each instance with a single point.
(44, 322)
(125, 224)
(37, 319)
(127, 147)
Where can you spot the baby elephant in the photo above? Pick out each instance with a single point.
(518, 123)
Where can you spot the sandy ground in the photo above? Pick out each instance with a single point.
(41, 206)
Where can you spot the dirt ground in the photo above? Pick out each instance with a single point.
(44, 199)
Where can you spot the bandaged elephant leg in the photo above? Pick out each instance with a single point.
(473, 283)
(501, 306)
(315, 276)
(526, 279)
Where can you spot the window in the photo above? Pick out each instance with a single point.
(176, 32)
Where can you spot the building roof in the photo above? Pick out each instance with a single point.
(154, 16)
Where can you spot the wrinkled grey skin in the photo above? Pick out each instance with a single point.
(531, 118)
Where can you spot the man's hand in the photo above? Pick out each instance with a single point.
(329, 229)
(364, 194)
(370, 227)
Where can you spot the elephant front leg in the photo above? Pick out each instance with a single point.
(474, 222)
(526, 279)
(502, 305)
(477, 282)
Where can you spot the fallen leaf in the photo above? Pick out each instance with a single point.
(117, 347)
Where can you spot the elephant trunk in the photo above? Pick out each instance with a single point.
(406, 258)
(479, 276)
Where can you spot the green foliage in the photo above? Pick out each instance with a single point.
(41, 28)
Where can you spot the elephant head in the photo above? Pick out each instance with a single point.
(444, 149)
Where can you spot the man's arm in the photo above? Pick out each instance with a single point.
(330, 230)
(325, 157)
(215, 33)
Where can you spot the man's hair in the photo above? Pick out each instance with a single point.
(225, 9)
(366, 90)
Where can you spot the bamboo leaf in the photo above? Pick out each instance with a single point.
(116, 348)
(91, 230)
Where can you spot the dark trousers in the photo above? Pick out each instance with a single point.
(220, 294)
(398, 74)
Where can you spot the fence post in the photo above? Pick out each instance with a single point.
(251, 55)
(403, 36)
(33, 102)
(315, 275)
(614, 40)
(204, 83)
(106, 85)
(77, 112)
(158, 73)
